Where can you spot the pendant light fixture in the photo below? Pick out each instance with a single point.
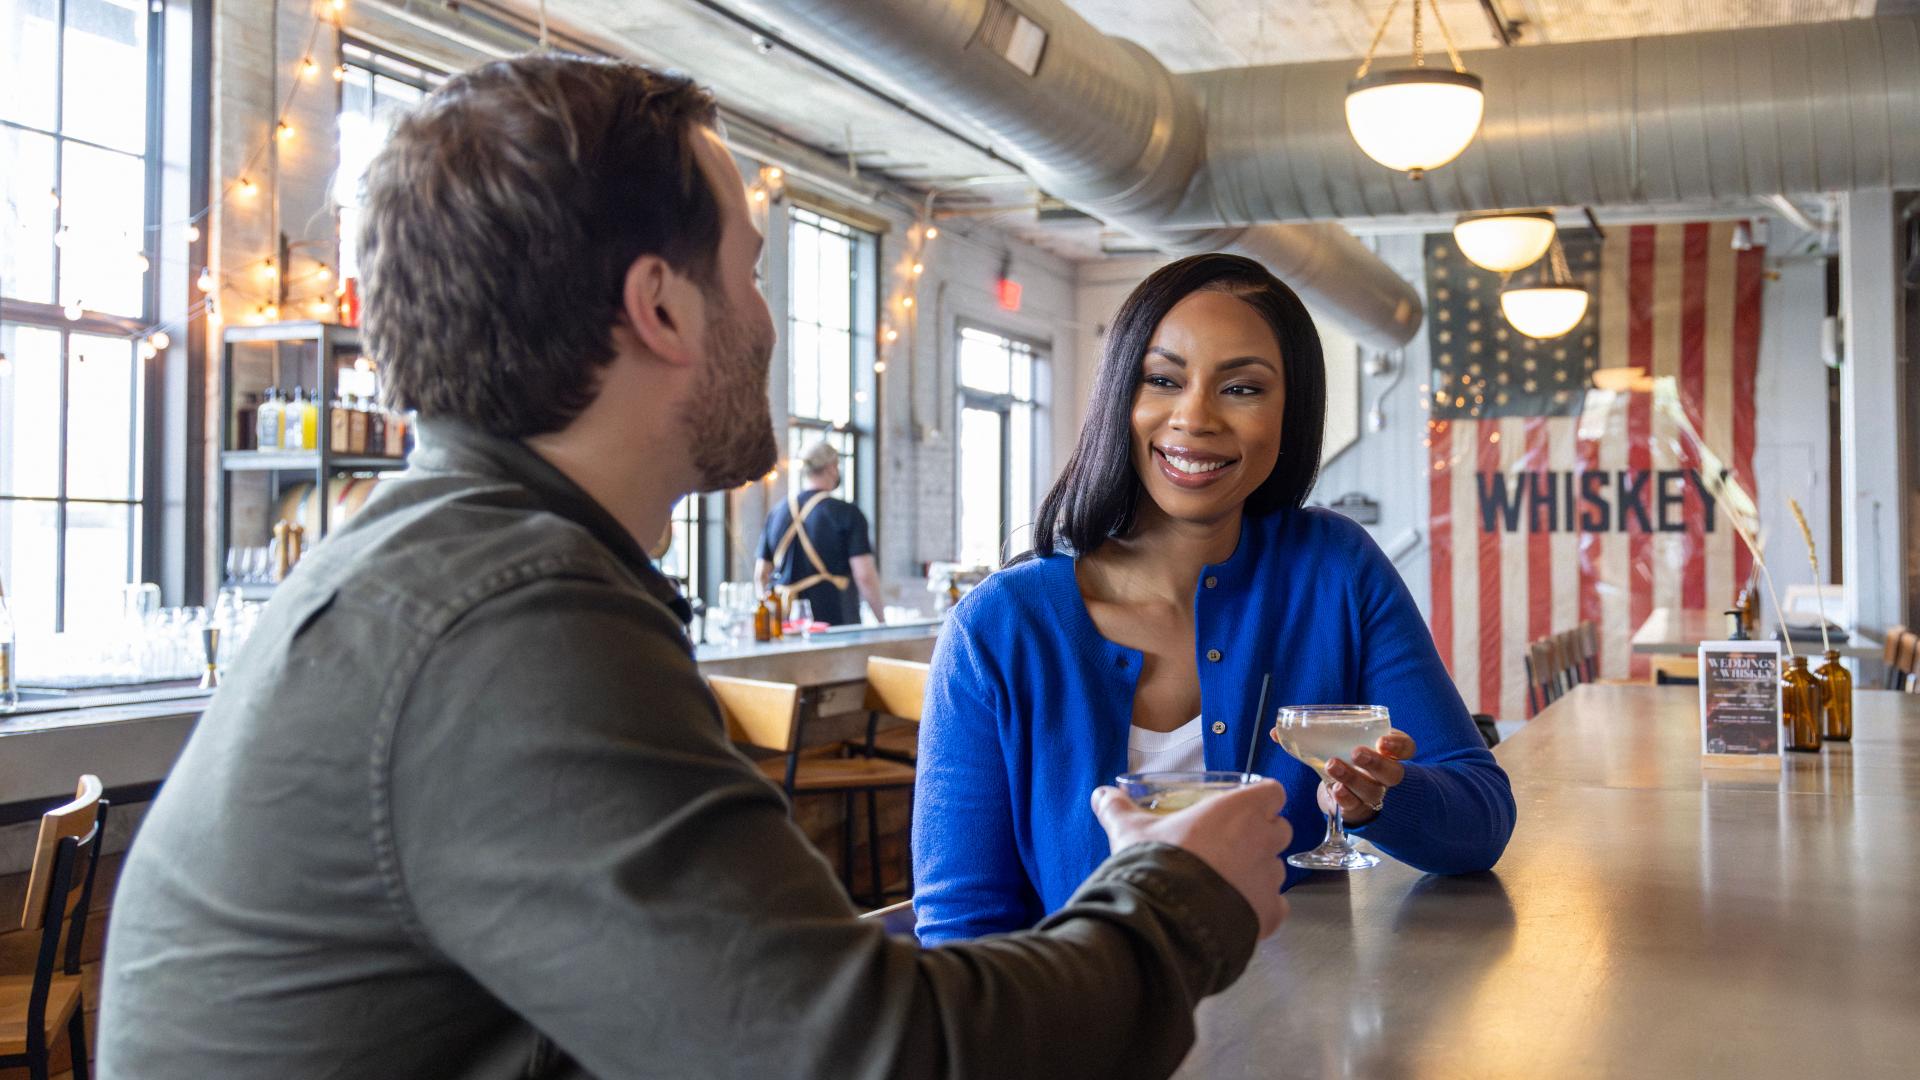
(1418, 118)
(1504, 240)
(1550, 309)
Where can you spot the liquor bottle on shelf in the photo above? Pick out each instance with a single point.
(292, 422)
(9, 679)
(310, 423)
(267, 431)
(357, 425)
(1836, 695)
(339, 426)
(376, 428)
(1800, 706)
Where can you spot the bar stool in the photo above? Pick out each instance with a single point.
(1909, 662)
(33, 1008)
(895, 688)
(767, 715)
(1588, 635)
(1890, 656)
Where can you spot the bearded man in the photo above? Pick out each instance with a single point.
(465, 807)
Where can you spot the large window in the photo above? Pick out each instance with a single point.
(829, 335)
(77, 236)
(996, 444)
(376, 90)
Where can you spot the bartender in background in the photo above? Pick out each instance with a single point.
(815, 545)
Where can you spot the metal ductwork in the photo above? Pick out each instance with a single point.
(1728, 115)
(1101, 124)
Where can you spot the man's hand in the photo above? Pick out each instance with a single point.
(1241, 834)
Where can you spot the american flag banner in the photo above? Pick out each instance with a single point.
(1552, 501)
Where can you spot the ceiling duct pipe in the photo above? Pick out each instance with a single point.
(1097, 122)
(1687, 118)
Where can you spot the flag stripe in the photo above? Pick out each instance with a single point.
(1746, 360)
(1440, 542)
(1539, 549)
(1487, 453)
(1640, 296)
(1693, 398)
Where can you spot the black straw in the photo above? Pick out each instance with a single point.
(1259, 716)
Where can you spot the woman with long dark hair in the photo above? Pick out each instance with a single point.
(1175, 565)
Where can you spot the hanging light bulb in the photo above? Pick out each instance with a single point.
(161, 340)
(932, 232)
(268, 270)
(60, 238)
(73, 311)
(324, 273)
(919, 268)
(891, 335)
(212, 313)
(140, 262)
(53, 199)
(204, 282)
(879, 367)
(1418, 118)
(270, 312)
(308, 69)
(1550, 309)
(340, 73)
(320, 307)
(193, 234)
(248, 189)
(908, 302)
(1504, 240)
(147, 351)
(284, 130)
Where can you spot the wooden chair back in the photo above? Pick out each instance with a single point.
(80, 822)
(1908, 662)
(1588, 636)
(1890, 650)
(1540, 691)
(896, 687)
(759, 713)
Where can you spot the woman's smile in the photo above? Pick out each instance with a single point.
(1189, 468)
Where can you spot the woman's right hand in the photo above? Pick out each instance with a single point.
(1241, 834)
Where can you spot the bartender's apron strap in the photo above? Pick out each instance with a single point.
(795, 530)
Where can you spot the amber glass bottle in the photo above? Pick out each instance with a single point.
(776, 614)
(1836, 694)
(1800, 706)
(762, 618)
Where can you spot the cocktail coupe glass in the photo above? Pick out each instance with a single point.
(1318, 735)
(1166, 792)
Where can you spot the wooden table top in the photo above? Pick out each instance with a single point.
(1679, 632)
(1649, 918)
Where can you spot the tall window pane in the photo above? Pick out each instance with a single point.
(101, 444)
(981, 486)
(996, 470)
(102, 555)
(29, 56)
(26, 214)
(102, 210)
(105, 71)
(29, 412)
(378, 89)
(823, 340)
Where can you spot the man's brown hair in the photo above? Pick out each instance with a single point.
(501, 219)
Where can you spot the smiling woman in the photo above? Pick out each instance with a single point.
(1175, 569)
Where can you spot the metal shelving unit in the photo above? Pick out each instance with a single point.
(306, 354)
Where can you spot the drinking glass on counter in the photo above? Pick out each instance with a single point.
(1318, 735)
(801, 612)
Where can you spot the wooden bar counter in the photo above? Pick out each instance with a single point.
(1650, 918)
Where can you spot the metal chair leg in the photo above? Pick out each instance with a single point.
(846, 845)
(873, 846)
(77, 1040)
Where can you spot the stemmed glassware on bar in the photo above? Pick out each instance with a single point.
(1318, 735)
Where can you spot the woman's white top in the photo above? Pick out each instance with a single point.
(1179, 750)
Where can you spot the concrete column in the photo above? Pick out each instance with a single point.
(1872, 533)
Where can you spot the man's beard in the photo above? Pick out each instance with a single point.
(727, 423)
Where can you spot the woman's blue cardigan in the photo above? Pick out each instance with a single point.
(1028, 710)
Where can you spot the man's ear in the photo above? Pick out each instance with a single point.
(664, 309)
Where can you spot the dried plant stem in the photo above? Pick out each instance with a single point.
(1766, 575)
(1813, 557)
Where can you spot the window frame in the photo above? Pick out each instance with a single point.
(1006, 405)
(861, 429)
(144, 552)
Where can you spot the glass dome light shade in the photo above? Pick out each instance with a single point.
(1545, 312)
(1415, 119)
(1504, 240)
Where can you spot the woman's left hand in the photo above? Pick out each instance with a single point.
(1360, 786)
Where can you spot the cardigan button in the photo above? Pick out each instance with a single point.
(1213, 655)
(1212, 581)
(1219, 727)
